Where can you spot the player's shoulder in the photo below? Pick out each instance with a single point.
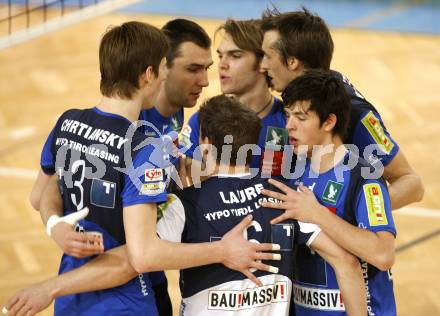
(69, 115)
(223, 183)
(73, 112)
(194, 119)
(366, 175)
(277, 116)
(277, 107)
(278, 103)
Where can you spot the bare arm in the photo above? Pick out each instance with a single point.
(38, 188)
(375, 248)
(149, 253)
(108, 270)
(405, 186)
(70, 242)
(50, 202)
(348, 273)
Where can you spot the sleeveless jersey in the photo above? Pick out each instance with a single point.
(272, 139)
(96, 157)
(364, 203)
(205, 215)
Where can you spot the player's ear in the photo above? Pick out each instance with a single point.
(330, 122)
(293, 64)
(147, 76)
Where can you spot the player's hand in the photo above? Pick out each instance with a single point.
(29, 301)
(242, 255)
(76, 244)
(301, 205)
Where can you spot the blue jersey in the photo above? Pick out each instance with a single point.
(272, 139)
(97, 158)
(366, 129)
(160, 125)
(205, 214)
(156, 125)
(316, 291)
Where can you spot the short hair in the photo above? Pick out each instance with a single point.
(179, 31)
(303, 35)
(326, 94)
(125, 52)
(220, 116)
(246, 34)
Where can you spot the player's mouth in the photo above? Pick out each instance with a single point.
(195, 95)
(224, 79)
(293, 141)
(269, 78)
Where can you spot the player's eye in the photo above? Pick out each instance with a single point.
(193, 69)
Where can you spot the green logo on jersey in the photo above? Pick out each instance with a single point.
(175, 123)
(161, 208)
(276, 138)
(332, 192)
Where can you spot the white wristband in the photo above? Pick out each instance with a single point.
(51, 222)
(70, 219)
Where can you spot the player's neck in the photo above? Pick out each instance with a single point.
(327, 155)
(164, 106)
(129, 109)
(259, 99)
(231, 170)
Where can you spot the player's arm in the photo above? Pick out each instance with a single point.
(47, 164)
(147, 252)
(62, 231)
(348, 273)
(108, 270)
(51, 202)
(38, 189)
(405, 186)
(376, 248)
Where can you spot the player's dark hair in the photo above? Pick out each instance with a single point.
(221, 116)
(179, 31)
(327, 95)
(246, 34)
(303, 35)
(125, 52)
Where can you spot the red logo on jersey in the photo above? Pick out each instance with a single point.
(153, 175)
(331, 209)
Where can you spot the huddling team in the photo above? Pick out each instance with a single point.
(266, 205)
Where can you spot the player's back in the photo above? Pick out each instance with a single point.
(209, 213)
(89, 147)
(366, 130)
(92, 148)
